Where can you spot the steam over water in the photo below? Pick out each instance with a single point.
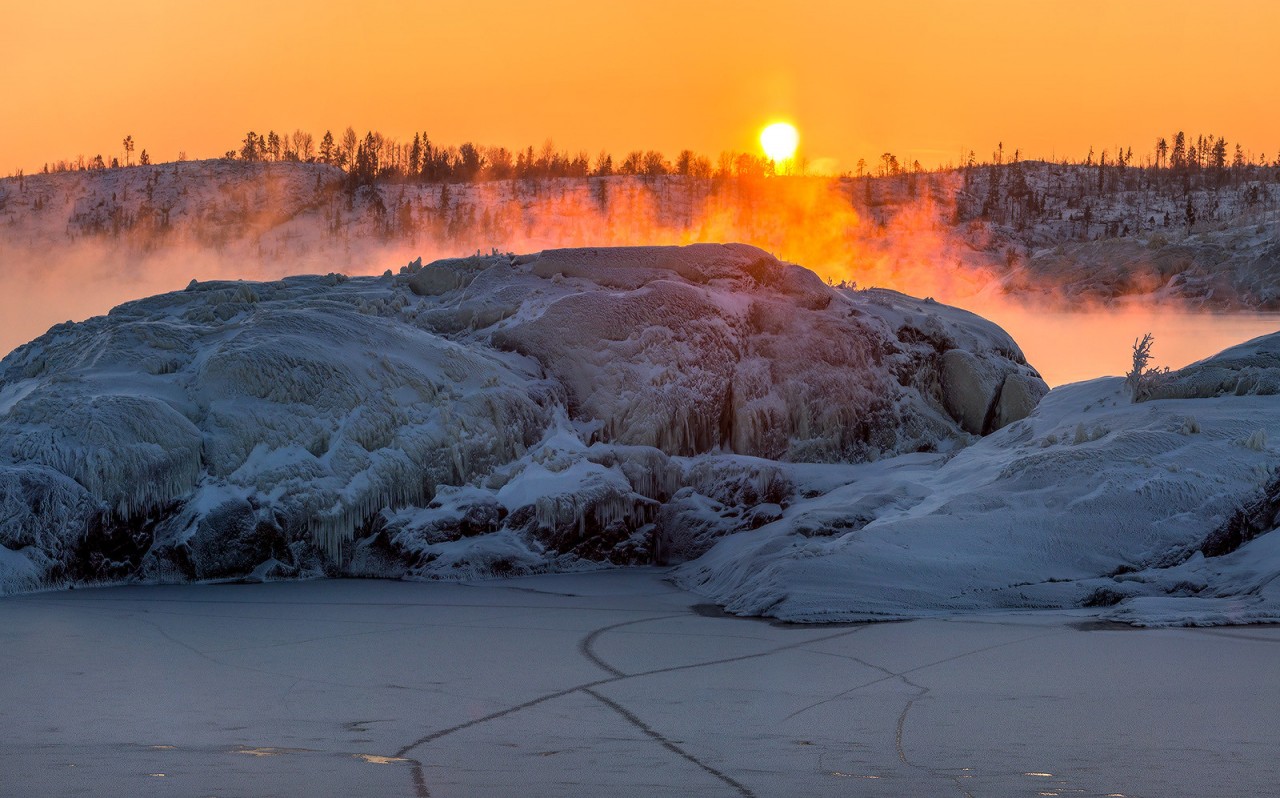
(1065, 344)
(1069, 346)
(62, 261)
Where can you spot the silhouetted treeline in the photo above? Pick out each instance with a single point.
(374, 158)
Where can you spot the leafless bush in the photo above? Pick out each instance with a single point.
(1140, 380)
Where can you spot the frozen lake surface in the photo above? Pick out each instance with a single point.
(610, 683)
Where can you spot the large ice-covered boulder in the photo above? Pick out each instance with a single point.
(476, 415)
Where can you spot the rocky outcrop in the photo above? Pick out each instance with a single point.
(1257, 517)
(549, 405)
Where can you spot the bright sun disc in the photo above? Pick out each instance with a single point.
(779, 141)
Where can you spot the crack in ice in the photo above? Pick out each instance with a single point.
(892, 675)
(668, 744)
(418, 768)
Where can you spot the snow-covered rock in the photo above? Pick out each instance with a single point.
(1090, 501)
(479, 415)
(1252, 367)
(1258, 517)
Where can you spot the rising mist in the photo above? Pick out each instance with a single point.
(76, 244)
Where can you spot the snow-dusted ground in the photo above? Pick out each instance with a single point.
(609, 684)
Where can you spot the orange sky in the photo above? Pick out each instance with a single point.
(923, 79)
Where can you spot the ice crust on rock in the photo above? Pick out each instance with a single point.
(1091, 501)
(818, 450)
(315, 411)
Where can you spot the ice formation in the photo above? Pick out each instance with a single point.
(820, 451)
(576, 390)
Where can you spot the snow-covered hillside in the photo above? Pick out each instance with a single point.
(210, 202)
(1079, 233)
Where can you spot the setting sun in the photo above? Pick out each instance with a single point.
(779, 141)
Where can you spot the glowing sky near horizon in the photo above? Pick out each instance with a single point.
(925, 80)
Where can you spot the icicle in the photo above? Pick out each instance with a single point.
(634, 511)
(552, 512)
